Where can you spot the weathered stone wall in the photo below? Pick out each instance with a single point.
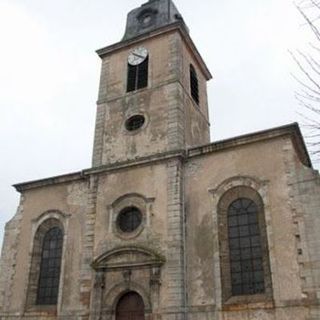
(8, 259)
(197, 115)
(173, 120)
(304, 190)
(170, 191)
(156, 189)
(70, 203)
(264, 167)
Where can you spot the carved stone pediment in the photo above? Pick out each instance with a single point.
(128, 257)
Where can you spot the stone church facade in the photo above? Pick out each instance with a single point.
(166, 225)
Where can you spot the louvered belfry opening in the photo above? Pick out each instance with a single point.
(194, 85)
(138, 76)
(130, 306)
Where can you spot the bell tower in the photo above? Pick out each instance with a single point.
(152, 95)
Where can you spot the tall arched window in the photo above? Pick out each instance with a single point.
(45, 267)
(245, 251)
(244, 256)
(50, 266)
(194, 85)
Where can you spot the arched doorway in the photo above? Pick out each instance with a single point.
(130, 307)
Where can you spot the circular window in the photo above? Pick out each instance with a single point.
(146, 19)
(135, 122)
(129, 219)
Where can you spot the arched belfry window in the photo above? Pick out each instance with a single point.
(244, 255)
(194, 85)
(138, 75)
(46, 259)
(50, 267)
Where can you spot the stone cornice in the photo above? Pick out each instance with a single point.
(176, 26)
(66, 178)
(86, 173)
(292, 131)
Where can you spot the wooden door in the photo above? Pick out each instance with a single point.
(130, 307)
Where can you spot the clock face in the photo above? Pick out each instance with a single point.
(137, 56)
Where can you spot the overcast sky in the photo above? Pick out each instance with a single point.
(49, 76)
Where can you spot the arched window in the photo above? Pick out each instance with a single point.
(137, 75)
(194, 86)
(245, 251)
(50, 266)
(244, 256)
(45, 267)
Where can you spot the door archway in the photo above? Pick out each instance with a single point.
(130, 307)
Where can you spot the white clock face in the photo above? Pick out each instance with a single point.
(137, 56)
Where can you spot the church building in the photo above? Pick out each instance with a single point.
(166, 225)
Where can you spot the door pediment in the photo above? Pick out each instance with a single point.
(128, 256)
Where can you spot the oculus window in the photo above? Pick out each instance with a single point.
(135, 122)
(129, 219)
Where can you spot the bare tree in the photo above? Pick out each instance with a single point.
(308, 62)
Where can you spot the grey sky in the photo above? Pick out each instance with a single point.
(49, 76)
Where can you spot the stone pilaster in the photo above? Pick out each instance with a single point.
(176, 295)
(100, 116)
(87, 273)
(304, 190)
(176, 107)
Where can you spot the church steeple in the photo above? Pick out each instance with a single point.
(150, 16)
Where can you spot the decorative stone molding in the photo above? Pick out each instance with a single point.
(222, 195)
(40, 225)
(127, 257)
(236, 181)
(124, 269)
(130, 200)
(112, 297)
(49, 214)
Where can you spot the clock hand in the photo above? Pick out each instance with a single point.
(138, 55)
